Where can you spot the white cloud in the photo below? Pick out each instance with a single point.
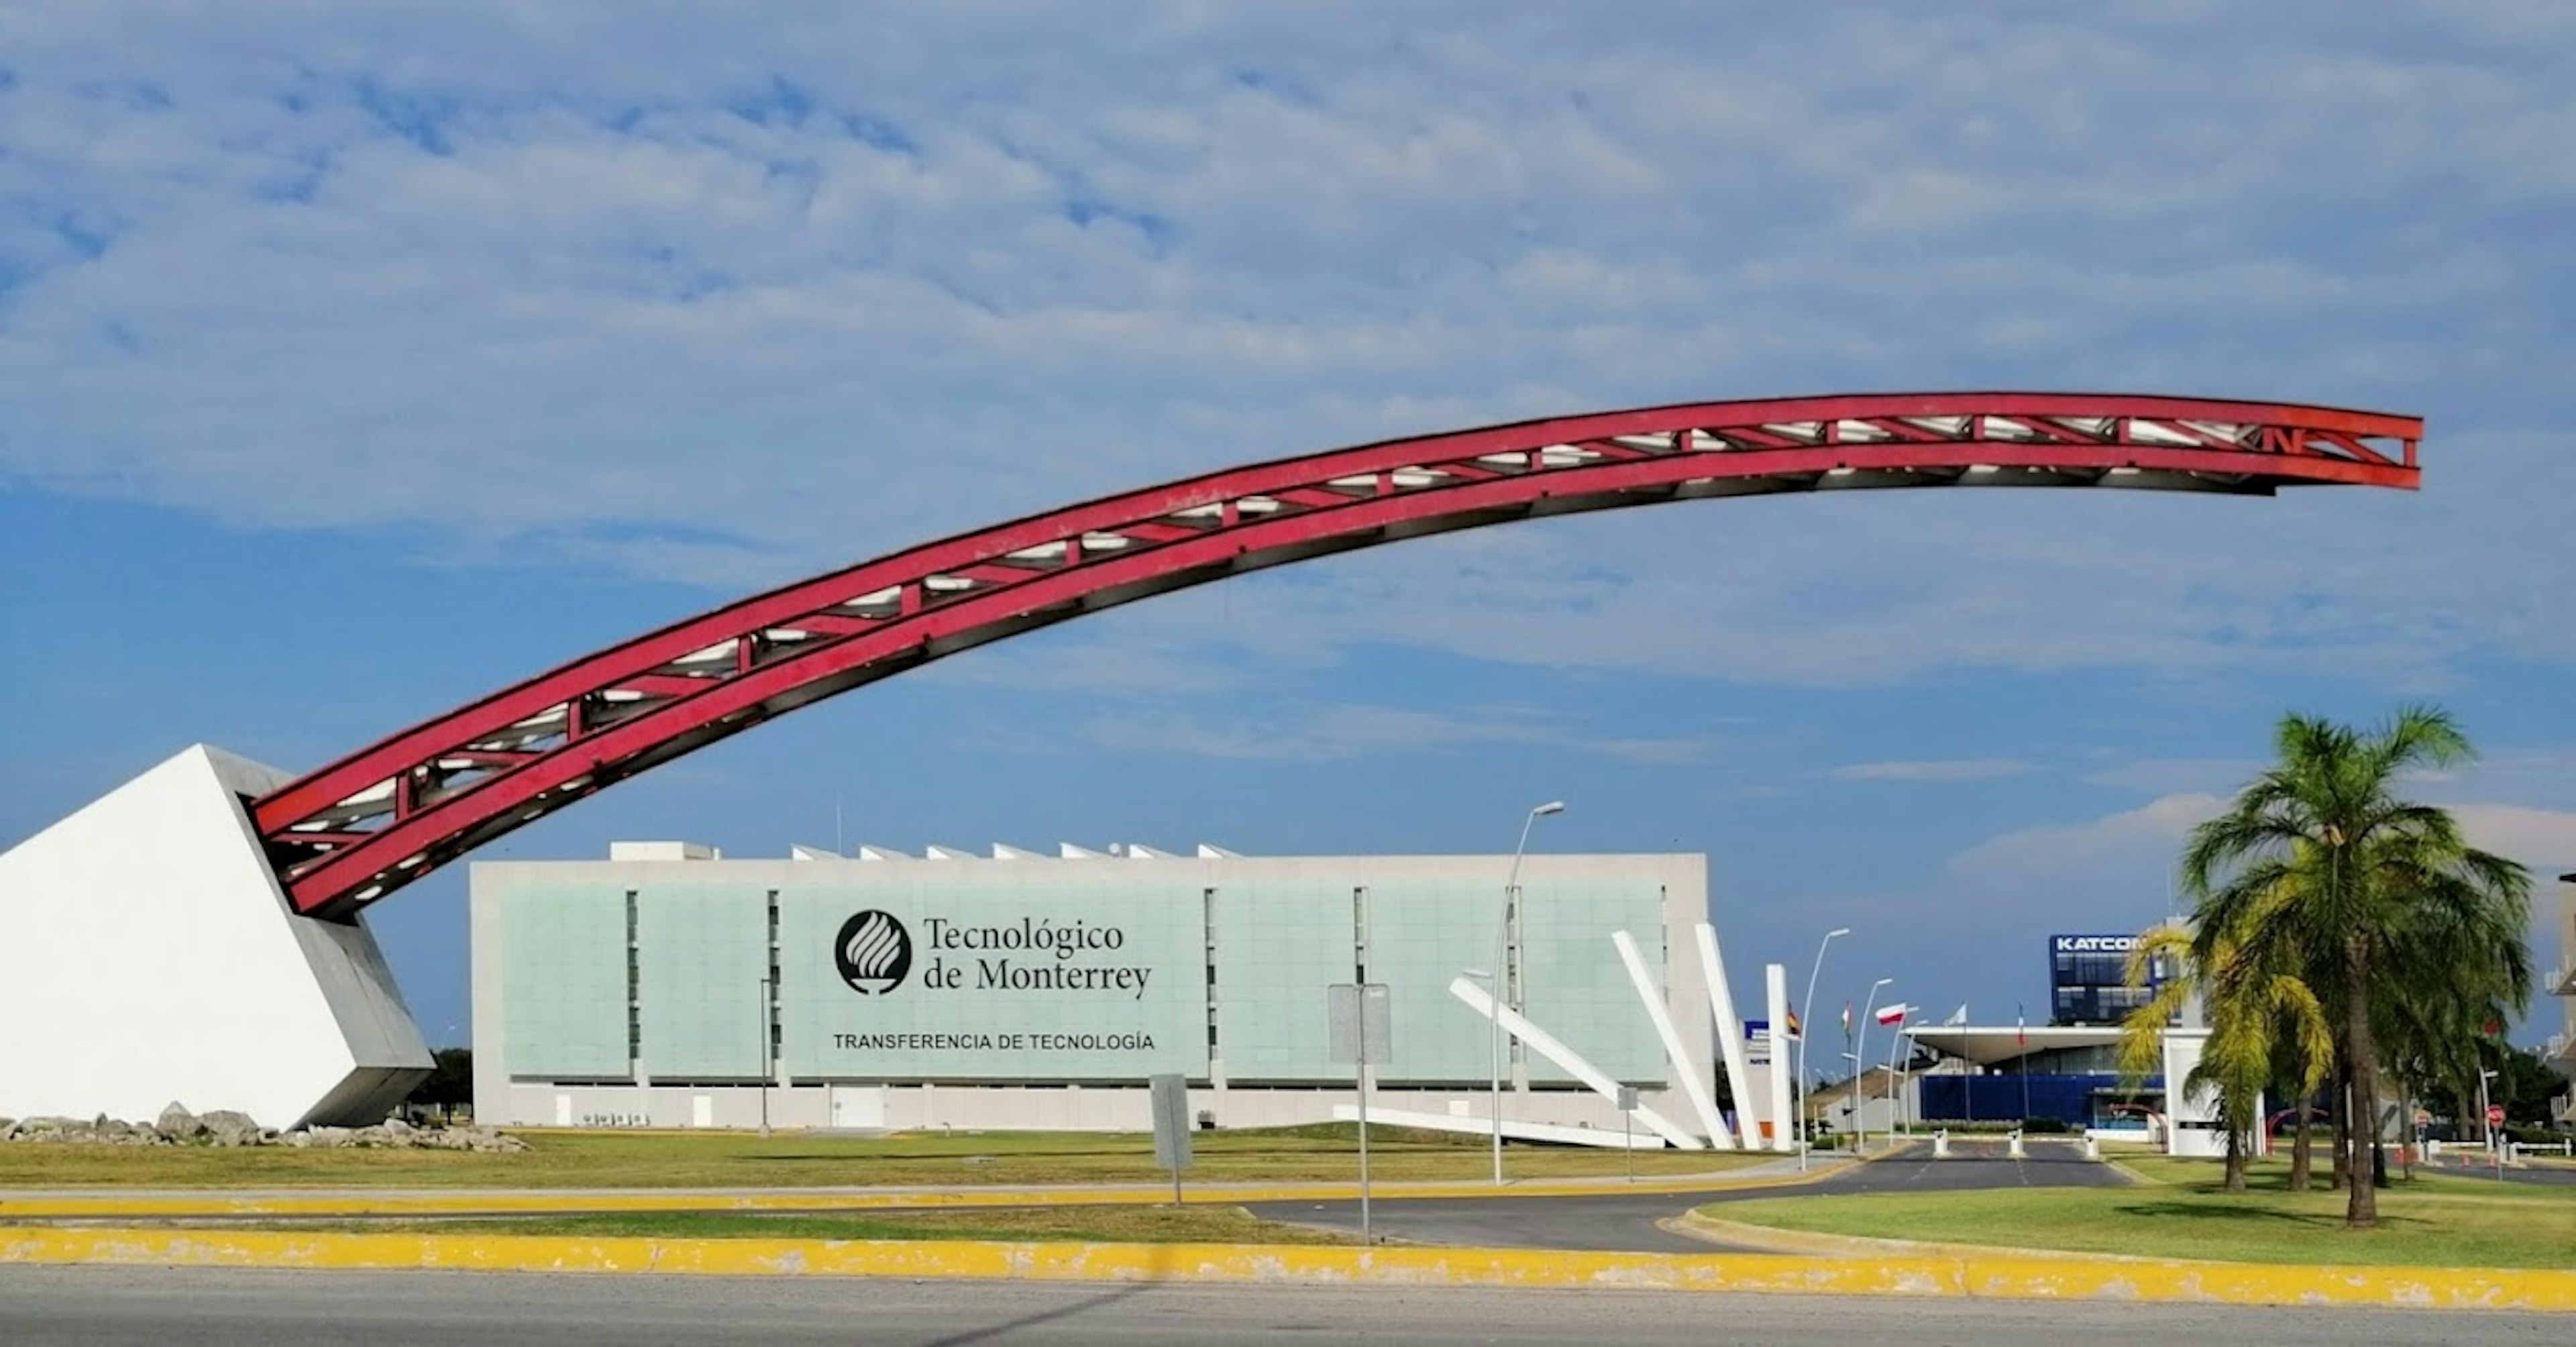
(2544, 840)
(1933, 770)
(2075, 851)
(1318, 734)
(726, 299)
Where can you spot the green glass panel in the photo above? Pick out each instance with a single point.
(563, 979)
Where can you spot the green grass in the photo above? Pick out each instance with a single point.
(2430, 1221)
(1208, 1224)
(742, 1160)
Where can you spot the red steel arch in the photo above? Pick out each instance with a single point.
(368, 824)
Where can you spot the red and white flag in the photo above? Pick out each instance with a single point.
(1894, 1014)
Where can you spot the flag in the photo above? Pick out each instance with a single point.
(1959, 1016)
(1894, 1014)
(2021, 1027)
(1796, 1029)
(1846, 1019)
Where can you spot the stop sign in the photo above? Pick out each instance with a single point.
(2495, 1115)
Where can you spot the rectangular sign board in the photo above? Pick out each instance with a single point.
(958, 980)
(1171, 1122)
(1360, 1031)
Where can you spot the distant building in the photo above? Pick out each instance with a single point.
(2088, 979)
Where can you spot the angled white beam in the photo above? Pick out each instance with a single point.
(1684, 1069)
(1776, 981)
(1730, 1039)
(1519, 1026)
(1068, 851)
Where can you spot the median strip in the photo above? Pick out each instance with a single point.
(1979, 1277)
(111, 1206)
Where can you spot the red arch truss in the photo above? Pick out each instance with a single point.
(373, 821)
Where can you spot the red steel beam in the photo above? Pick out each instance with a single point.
(529, 749)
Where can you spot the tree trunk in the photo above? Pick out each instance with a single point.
(2234, 1121)
(2361, 1207)
(2341, 1105)
(2302, 1169)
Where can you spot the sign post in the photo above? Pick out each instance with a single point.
(1628, 1127)
(1172, 1127)
(1357, 1021)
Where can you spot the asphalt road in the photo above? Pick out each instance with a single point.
(1631, 1222)
(44, 1307)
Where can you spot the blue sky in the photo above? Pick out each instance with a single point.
(353, 362)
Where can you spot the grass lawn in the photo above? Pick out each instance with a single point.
(741, 1160)
(1209, 1224)
(2430, 1221)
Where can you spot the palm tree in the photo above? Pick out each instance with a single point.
(2254, 1008)
(2320, 865)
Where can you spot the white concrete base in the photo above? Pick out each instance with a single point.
(149, 956)
(1640, 1140)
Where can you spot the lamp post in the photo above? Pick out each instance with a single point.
(1806, 1019)
(765, 1071)
(1502, 976)
(1860, 1066)
(1493, 1062)
(1895, 1040)
(2486, 1128)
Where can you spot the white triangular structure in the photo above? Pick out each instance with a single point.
(1209, 852)
(1138, 851)
(1694, 1087)
(1068, 851)
(800, 852)
(938, 853)
(149, 956)
(1519, 1026)
(1730, 1038)
(868, 853)
(1005, 852)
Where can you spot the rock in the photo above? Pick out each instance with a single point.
(229, 1128)
(55, 1129)
(299, 1140)
(396, 1127)
(328, 1138)
(178, 1124)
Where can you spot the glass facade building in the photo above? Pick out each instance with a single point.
(2088, 979)
(864, 992)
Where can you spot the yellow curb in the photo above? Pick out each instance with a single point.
(1777, 1239)
(107, 1206)
(1988, 1277)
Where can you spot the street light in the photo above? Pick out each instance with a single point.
(1860, 1066)
(1502, 976)
(1806, 1019)
(766, 1070)
(1493, 1063)
(2486, 1126)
